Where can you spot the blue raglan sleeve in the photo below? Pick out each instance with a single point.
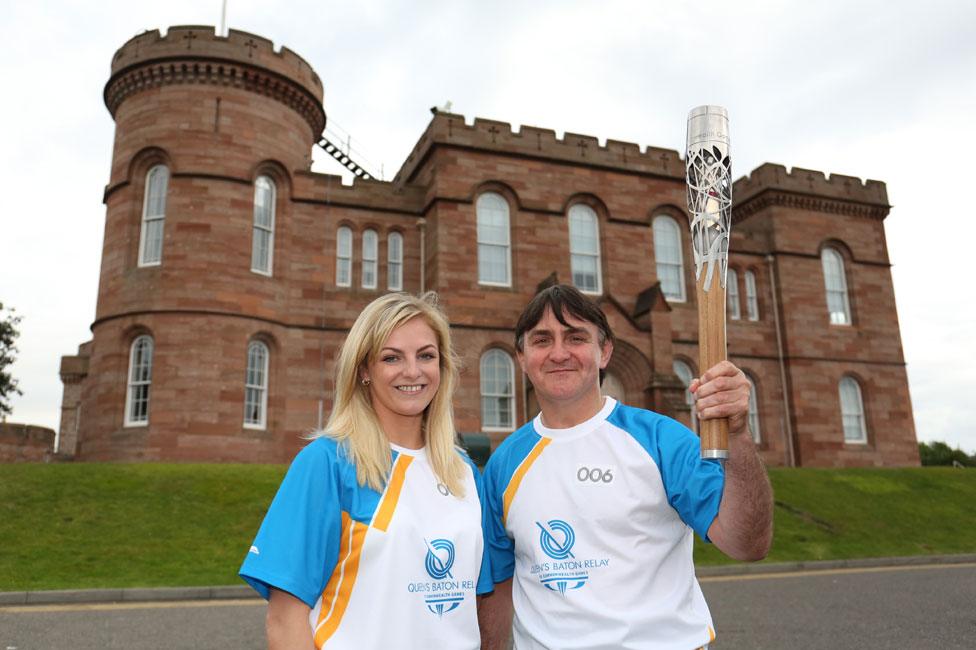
(498, 544)
(694, 485)
(298, 542)
(485, 583)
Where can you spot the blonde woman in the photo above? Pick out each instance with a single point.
(374, 538)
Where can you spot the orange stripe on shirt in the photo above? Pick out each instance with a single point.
(384, 513)
(337, 592)
(513, 485)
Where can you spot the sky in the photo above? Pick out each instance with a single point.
(879, 90)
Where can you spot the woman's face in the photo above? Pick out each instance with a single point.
(404, 376)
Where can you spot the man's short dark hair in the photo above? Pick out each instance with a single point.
(562, 299)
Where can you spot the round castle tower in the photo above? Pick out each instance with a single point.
(207, 128)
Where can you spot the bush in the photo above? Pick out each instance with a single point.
(939, 453)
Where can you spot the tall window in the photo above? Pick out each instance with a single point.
(683, 371)
(497, 390)
(494, 244)
(153, 216)
(584, 248)
(667, 255)
(852, 411)
(752, 298)
(732, 294)
(835, 283)
(256, 386)
(370, 245)
(394, 262)
(140, 380)
(262, 244)
(343, 257)
(753, 411)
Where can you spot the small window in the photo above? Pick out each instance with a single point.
(494, 240)
(497, 391)
(684, 373)
(835, 284)
(153, 216)
(140, 381)
(370, 245)
(343, 257)
(584, 248)
(754, 411)
(394, 262)
(256, 386)
(732, 294)
(752, 299)
(262, 245)
(668, 258)
(852, 411)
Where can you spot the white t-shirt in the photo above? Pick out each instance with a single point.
(595, 524)
(391, 570)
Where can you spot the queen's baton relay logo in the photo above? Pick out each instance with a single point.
(565, 572)
(444, 593)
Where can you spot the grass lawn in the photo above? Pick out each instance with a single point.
(86, 525)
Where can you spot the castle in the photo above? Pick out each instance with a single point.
(231, 272)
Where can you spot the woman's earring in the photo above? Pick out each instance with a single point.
(365, 381)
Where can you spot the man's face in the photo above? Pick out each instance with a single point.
(563, 363)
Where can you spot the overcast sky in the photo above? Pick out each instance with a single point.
(880, 90)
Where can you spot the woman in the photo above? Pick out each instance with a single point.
(374, 538)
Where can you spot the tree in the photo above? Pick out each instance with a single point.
(939, 453)
(8, 334)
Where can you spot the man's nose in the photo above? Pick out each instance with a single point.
(558, 352)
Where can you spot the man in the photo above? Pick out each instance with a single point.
(593, 503)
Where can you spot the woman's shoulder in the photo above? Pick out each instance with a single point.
(323, 450)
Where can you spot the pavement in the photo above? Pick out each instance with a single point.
(236, 592)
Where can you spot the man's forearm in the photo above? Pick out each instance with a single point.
(743, 529)
(495, 617)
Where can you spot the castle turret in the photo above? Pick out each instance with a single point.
(209, 132)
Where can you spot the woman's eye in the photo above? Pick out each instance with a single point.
(428, 356)
(389, 358)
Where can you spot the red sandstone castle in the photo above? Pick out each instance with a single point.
(231, 272)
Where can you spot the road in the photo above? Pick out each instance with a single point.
(905, 607)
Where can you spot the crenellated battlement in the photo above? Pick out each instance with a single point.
(196, 54)
(371, 194)
(770, 176)
(492, 135)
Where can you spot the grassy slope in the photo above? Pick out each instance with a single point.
(121, 525)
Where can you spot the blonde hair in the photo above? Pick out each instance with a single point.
(353, 422)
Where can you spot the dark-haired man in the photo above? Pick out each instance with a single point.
(593, 502)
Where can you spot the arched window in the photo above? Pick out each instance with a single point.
(494, 243)
(153, 216)
(343, 257)
(262, 243)
(584, 248)
(668, 257)
(835, 283)
(370, 245)
(256, 386)
(684, 373)
(852, 411)
(754, 411)
(732, 294)
(752, 298)
(613, 387)
(497, 390)
(394, 262)
(140, 380)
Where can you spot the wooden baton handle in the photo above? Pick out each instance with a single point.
(711, 350)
